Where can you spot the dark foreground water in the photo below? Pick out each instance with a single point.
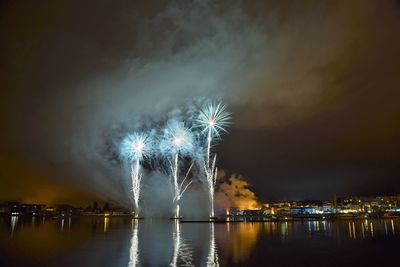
(123, 242)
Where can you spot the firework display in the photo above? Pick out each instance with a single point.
(179, 144)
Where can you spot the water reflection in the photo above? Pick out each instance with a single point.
(134, 249)
(241, 238)
(212, 258)
(364, 229)
(122, 242)
(62, 225)
(14, 221)
(392, 224)
(284, 229)
(106, 221)
(182, 254)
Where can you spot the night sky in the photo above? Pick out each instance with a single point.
(313, 87)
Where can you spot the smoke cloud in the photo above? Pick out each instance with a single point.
(190, 57)
(235, 192)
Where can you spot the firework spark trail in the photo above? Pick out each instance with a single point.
(213, 120)
(211, 176)
(178, 187)
(136, 147)
(177, 140)
(136, 180)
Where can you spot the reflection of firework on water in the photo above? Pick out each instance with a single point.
(134, 250)
(182, 255)
(212, 258)
(175, 143)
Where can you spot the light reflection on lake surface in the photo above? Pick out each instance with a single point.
(123, 242)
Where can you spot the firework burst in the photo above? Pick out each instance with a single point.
(136, 146)
(213, 119)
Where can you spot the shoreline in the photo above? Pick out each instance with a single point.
(335, 217)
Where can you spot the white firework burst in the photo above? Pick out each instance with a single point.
(213, 119)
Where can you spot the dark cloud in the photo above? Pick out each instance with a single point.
(313, 88)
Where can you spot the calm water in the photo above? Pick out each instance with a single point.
(124, 242)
